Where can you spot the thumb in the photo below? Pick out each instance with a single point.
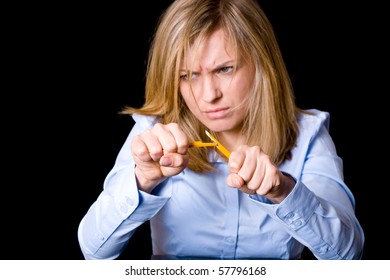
(174, 160)
(234, 180)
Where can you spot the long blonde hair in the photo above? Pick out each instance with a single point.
(271, 120)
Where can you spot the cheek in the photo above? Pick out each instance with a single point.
(188, 97)
(243, 88)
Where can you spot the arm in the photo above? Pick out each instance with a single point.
(121, 207)
(319, 211)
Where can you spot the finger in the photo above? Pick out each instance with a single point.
(236, 160)
(174, 160)
(153, 144)
(259, 172)
(271, 180)
(181, 138)
(165, 138)
(140, 150)
(172, 164)
(172, 138)
(249, 165)
(234, 180)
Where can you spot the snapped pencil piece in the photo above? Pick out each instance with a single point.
(198, 144)
(226, 153)
(215, 143)
(219, 146)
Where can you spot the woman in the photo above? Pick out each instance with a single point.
(215, 67)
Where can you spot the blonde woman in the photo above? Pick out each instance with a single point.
(270, 182)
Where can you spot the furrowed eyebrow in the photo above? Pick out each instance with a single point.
(224, 64)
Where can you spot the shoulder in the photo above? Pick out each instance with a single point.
(313, 139)
(313, 119)
(145, 121)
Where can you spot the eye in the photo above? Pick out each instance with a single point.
(226, 69)
(186, 76)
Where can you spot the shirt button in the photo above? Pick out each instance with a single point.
(323, 249)
(101, 237)
(289, 216)
(230, 240)
(297, 223)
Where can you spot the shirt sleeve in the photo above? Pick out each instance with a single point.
(319, 212)
(119, 210)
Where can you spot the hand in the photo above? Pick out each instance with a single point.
(253, 172)
(159, 152)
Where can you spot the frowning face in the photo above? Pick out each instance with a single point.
(214, 85)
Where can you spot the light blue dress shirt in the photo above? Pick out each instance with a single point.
(198, 216)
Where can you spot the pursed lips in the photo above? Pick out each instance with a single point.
(217, 113)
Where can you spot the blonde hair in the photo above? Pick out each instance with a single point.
(271, 120)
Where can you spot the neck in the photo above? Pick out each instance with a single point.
(230, 139)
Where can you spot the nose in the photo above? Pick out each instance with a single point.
(210, 88)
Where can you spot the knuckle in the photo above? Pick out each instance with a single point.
(173, 126)
(170, 147)
(155, 153)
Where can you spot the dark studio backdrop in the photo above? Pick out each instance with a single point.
(81, 64)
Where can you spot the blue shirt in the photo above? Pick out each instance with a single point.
(198, 216)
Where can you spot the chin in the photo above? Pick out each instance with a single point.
(219, 128)
(221, 125)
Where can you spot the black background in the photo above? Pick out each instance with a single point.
(72, 68)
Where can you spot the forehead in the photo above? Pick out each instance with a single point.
(213, 49)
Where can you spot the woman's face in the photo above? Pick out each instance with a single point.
(220, 84)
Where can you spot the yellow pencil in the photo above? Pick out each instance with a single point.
(198, 144)
(219, 146)
(215, 143)
(224, 151)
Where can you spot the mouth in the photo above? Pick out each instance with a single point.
(217, 113)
